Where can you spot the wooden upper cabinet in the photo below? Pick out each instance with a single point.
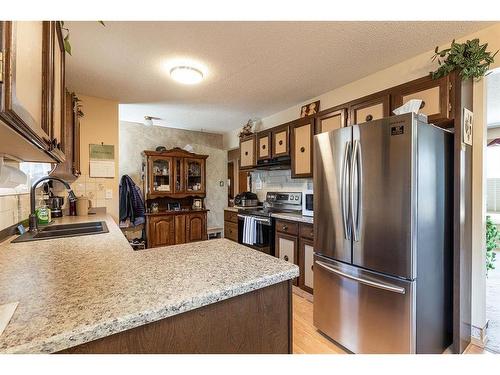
(247, 152)
(194, 171)
(57, 92)
(331, 120)
(174, 173)
(435, 96)
(25, 89)
(281, 141)
(370, 108)
(160, 172)
(264, 146)
(32, 89)
(302, 148)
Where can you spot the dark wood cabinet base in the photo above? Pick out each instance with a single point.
(255, 322)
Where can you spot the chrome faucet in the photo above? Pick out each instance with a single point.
(32, 218)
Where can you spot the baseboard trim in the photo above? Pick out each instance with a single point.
(479, 336)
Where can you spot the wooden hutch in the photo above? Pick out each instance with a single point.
(173, 180)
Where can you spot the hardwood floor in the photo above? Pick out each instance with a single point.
(306, 339)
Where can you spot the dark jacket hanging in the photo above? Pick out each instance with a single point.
(131, 202)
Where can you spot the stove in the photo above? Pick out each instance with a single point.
(263, 239)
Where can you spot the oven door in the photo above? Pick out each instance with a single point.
(265, 234)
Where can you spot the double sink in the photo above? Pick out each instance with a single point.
(64, 230)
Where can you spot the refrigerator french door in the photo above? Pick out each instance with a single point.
(366, 218)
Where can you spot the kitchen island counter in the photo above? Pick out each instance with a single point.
(72, 291)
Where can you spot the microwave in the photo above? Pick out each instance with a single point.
(307, 203)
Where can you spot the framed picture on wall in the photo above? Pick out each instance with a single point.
(309, 109)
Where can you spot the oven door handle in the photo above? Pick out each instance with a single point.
(258, 219)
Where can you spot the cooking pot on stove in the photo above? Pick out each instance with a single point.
(246, 199)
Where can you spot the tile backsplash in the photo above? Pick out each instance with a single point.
(14, 208)
(279, 180)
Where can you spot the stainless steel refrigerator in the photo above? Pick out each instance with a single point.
(383, 195)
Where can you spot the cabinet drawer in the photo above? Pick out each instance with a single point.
(306, 231)
(280, 142)
(231, 216)
(288, 227)
(247, 153)
(231, 231)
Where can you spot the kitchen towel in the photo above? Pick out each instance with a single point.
(249, 230)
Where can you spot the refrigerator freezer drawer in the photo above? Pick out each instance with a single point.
(363, 311)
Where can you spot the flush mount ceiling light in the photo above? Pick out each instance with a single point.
(148, 120)
(186, 75)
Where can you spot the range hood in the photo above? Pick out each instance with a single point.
(281, 162)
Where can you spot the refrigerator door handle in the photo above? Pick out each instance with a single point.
(379, 285)
(344, 190)
(353, 201)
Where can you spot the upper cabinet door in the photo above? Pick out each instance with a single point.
(302, 155)
(435, 96)
(264, 146)
(369, 109)
(25, 89)
(160, 170)
(281, 142)
(195, 175)
(247, 152)
(57, 71)
(328, 121)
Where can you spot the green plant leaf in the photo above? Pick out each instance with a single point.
(67, 44)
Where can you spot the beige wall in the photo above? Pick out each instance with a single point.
(405, 71)
(100, 124)
(135, 138)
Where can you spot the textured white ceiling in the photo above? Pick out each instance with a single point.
(254, 69)
(493, 98)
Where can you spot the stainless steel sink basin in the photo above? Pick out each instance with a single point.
(64, 230)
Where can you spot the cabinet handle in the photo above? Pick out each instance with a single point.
(302, 149)
(369, 118)
(263, 147)
(285, 258)
(312, 267)
(280, 143)
(422, 105)
(285, 227)
(246, 153)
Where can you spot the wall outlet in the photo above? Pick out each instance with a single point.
(109, 193)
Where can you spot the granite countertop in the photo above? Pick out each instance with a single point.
(74, 290)
(293, 217)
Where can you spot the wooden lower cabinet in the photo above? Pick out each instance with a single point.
(180, 229)
(196, 227)
(160, 231)
(231, 225)
(176, 228)
(294, 243)
(306, 261)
